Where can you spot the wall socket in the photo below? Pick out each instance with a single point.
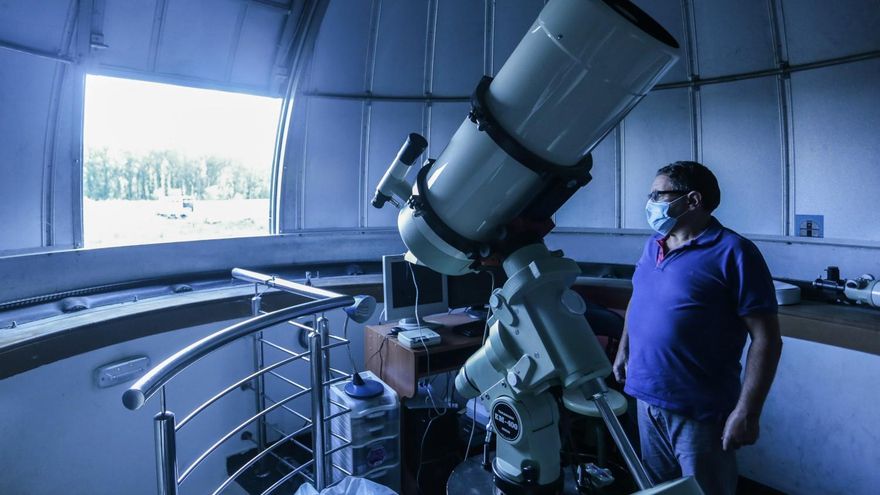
(809, 225)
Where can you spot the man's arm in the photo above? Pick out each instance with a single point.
(622, 356)
(742, 427)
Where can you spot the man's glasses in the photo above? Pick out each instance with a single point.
(655, 195)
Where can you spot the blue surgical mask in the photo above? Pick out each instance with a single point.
(658, 216)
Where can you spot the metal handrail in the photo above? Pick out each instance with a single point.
(336, 380)
(234, 386)
(288, 380)
(280, 283)
(259, 456)
(135, 397)
(288, 476)
(235, 430)
(294, 441)
(283, 349)
(291, 411)
(359, 308)
(284, 462)
(337, 449)
(339, 372)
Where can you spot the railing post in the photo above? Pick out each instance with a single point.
(324, 331)
(261, 469)
(316, 354)
(166, 453)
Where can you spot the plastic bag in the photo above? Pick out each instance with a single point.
(348, 486)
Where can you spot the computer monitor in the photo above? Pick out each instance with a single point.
(472, 291)
(400, 291)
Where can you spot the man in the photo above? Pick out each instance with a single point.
(698, 290)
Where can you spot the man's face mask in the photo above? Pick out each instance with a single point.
(658, 215)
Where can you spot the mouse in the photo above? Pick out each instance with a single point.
(395, 330)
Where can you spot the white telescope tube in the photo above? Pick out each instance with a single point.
(583, 65)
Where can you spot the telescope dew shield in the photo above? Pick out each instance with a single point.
(582, 66)
(577, 73)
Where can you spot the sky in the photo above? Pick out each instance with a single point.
(138, 116)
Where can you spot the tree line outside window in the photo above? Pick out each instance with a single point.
(160, 173)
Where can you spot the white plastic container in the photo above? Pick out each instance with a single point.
(388, 476)
(362, 459)
(373, 426)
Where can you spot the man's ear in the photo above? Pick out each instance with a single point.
(695, 199)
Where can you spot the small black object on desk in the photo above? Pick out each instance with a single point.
(471, 329)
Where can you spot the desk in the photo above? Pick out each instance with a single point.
(401, 367)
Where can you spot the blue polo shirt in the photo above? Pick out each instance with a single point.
(686, 334)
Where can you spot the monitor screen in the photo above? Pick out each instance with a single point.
(400, 289)
(405, 276)
(472, 289)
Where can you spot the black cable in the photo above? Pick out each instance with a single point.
(348, 346)
(379, 352)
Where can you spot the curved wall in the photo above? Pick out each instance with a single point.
(778, 97)
(72, 437)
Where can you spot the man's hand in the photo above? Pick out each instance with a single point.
(740, 429)
(619, 366)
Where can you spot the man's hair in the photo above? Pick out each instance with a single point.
(693, 176)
